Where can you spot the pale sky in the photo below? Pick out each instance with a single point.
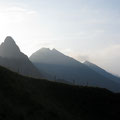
(83, 29)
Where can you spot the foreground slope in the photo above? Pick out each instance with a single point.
(11, 57)
(65, 68)
(23, 98)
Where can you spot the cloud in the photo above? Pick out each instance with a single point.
(108, 58)
(16, 9)
(83, 58)
(14, 14)
(20, 10)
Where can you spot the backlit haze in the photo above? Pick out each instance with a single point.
(84, 29)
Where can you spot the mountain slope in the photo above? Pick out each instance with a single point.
(65, 68)
(45, 55)
(11, 57)
(102, 71)
(23, 98)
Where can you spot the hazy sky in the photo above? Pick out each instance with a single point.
(84, 29)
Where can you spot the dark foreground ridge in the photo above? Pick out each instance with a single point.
(23, 98)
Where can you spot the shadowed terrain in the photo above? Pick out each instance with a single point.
(23, 98)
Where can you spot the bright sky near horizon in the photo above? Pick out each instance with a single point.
(83, 29)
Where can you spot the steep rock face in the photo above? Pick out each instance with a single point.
(12, 58)
(65, 68)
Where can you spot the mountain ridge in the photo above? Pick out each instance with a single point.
(66, 68)
(102, 71)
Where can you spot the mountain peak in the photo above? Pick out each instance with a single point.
(54, 49)
(9, 49)
(9, 39)
(45, 49)
(52, 57)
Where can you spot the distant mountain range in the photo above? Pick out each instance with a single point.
(11, 57)
(102, 71)
(55, 66)
(65, 68)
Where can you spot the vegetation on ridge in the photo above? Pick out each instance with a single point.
(23, 98)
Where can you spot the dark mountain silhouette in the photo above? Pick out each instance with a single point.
(65, 68)
(102, 71)
(24, 98)
(11, 57)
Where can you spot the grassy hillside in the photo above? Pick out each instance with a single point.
(23, 98)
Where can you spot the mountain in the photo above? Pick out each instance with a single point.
(65, 68)
(45, 55)
(11, 57)
(102, 71)
(24, 98)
